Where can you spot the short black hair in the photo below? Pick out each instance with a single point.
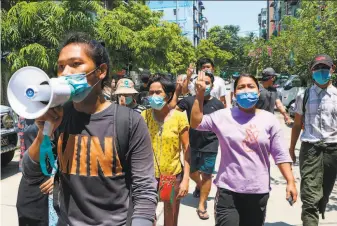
(145, 75)
(203, 61)
(166, 82)
(210, 75)
(245, 75)
(96, 50)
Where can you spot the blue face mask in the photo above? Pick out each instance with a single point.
(247, 99)
(78, 83)
(157, 102)
(321, 76)
(128, 100)
(207, 90)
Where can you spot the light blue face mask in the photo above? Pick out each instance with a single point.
(207, 90)
(247, 100)
(80, 88)
(157, 102)
(322, 76)
(128, 100)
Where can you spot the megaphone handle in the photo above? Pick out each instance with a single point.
(48, 129)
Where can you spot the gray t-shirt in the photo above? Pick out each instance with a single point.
(267, 99)
(94, 185)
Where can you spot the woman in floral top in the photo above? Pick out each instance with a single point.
(169, 130)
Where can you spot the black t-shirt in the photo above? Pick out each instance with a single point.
(143, 89)
(199, 140)
(31, 202)
(94, 189)
(267, 99)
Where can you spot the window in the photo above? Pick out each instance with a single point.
(297, 82)
(175, 12)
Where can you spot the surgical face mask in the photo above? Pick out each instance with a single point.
(128, 100)
(247, 99)
(80, 88)
(322, 76)
(157, 102)
(207, 90)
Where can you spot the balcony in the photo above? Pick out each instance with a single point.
(259, 18)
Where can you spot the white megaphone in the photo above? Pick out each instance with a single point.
(31, 93)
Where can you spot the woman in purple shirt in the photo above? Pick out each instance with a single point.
(247, 136)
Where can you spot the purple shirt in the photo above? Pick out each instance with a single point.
(246, 141)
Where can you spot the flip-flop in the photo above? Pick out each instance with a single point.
(199, 212)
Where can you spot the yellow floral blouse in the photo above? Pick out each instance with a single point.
(165, 139)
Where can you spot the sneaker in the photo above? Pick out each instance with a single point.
(196, 193)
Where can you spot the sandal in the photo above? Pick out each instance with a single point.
(204, 215)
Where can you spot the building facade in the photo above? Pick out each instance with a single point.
(189, 15)
(262, 20)
(280, 9)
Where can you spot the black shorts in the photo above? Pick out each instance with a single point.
(203, 161)
(235, 209)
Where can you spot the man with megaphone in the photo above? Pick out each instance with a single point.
(103, 150)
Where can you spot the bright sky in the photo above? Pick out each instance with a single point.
(242, 13)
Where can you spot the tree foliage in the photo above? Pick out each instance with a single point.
(32, 32)
(208, 49)
(313, 32)
(227, 39)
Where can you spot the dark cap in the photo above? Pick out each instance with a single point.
(145, 75)
(268, 73)
(322, 59)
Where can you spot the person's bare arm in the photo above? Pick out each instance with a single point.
(283, 111)
(184, 137)
(295, 133)
(54, 116)
(287, 173)
(198, 105)
(176, 93)
(189, 73)
(223, 100)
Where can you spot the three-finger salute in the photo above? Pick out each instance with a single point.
(200, 84)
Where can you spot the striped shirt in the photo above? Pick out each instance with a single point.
(320, 115)
(139, 108)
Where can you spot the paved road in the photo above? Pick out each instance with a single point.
(279, 213)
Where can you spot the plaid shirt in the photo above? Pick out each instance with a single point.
(320, 115)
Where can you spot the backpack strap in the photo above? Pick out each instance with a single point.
(123, 126)
(305, 100)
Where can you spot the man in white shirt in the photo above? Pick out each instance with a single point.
(207, 65)
(316, 108)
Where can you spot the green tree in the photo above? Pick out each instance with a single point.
(33, 31)
(208, 49)
(227, 39)
(312, 32)
(144, 39)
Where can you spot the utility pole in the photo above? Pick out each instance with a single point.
(177, 11)
(193, 23)
(268, 19)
